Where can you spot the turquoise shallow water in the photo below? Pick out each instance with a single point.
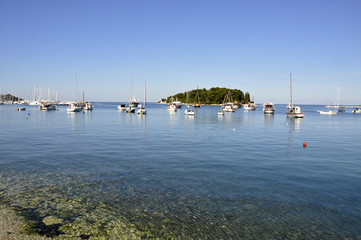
(243, 175)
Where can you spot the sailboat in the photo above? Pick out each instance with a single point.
(188, 111)
(75, 106)
(133, 102)
(141, 108)
(197, 102)
(87, 106)
(227, 105)
(293, 111)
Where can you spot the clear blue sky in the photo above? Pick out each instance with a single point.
(248, 45)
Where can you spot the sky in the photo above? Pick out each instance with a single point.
(248, 45)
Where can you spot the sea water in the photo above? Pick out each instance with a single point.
(107, 173)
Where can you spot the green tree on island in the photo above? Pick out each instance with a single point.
(212, 96)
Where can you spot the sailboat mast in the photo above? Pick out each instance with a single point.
(291, 90)
(131, 88)
(145, 92)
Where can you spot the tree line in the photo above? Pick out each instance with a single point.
(214, 95)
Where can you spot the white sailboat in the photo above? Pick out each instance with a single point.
(293, 111)
(75, 106)
(188, 111)
(228, 105)
(141, 108)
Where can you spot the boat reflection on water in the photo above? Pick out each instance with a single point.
(294, 125)
(268, 120)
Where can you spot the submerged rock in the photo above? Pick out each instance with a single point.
(50, 220)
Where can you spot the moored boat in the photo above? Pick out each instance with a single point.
(356, 110)
(75, 107)
(327, 112)
(268, 108)
(249, 106)
(141, 108)
(47, 107)
(122, 107)
(293, 111)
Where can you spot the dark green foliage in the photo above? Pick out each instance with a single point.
(212, 96)
(9, 97)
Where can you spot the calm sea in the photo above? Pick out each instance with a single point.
(244, 175)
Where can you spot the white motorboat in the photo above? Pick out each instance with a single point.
(249, 106)
(172, 107)
(220, 113)
(189, 112)
(356, 110)
(75, 107)
(130, 109)
(228, 108)
(268, 108)
(122, 107)
(293, 111)
(47, 107)
(327, 112)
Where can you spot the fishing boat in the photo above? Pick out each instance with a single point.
(75, 107)
(293, 111)
(268, 108)
(141, 108)
(188, 111)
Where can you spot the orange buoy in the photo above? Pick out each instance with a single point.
(304, 144)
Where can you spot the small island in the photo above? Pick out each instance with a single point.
(212, 96)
